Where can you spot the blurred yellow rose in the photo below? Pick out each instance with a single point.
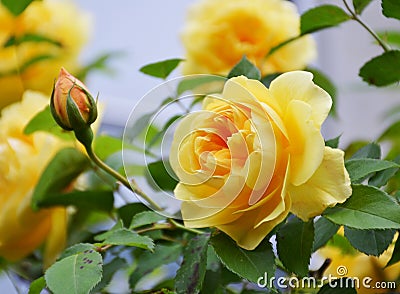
(35, 65)
(22, 160)
(218, 33)
(358, 265)
(253, 154)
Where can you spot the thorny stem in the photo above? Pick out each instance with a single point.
(354, 16)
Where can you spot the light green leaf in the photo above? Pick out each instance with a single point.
(190, 276)
(145, 218)
(161, 69)
(160, 172)
(33, 38)
(396, 254)
(77, 249)
(127, 212)
(367, 208)
(371, 150)
(294, 243)
(75, 274)
(109, 270)
(391, 37)
(125, 237)
(16, 7)
(360, 168)
(391, 8)
(192, 82)
(66, 165)
(99, 64)
(391, 133)
(249, 264)
(322, 17)
(371, 242)
(335, 287)
(37, 286)
(382, 70)
(43, 121)
(324, 230)
(245, 68)
(360, 5)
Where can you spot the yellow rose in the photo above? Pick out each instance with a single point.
(219, 33)
(22, 160)
(58, 21)
(253, 154)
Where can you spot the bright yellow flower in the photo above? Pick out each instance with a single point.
(255, 154)
(219, 33)
(60, 21)
(22, 160)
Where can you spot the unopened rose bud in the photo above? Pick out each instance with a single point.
(72, 106)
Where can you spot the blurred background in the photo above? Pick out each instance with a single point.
(143, 32)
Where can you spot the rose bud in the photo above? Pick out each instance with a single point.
(72, 106)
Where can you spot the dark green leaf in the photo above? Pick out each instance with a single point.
(75, 274)
(367, 208)
(391, 8)
(360, 168)
(190, 276)
(102, 200)
(333, 143)
(149, 261)
(249, 264)
(162, 174)
(382, 70)
(66, 165)
(13, 41)
(245, 68)
(266, 80)
(381, 178)
(192, 82)
(322, 17)
(16, 7)
(161, 69)
(159, 135)
(339, 286)
(43, 121)
(37, 286)
(360, 5)
(294, 243)
(127, 212)
(145, 218)
(371, 242)
(109, 270)
(396, 254)
(125, 237)
(324, 230)
(343, 244)
(322, 80)
(371, 150)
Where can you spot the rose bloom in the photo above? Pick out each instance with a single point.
(60, 21)
(22, 160)
(253, 154)
(361, 266)
(218, 33)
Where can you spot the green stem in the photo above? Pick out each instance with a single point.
(182, 227)
(385, 47)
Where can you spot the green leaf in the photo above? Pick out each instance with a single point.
(101, 200)
(294, 243)
(249, 264)
(382, 177)
(324, 230)
(34, 60)
(371, 150)
(77, 249)
(382, 70)
(343, 244)
(16, 7)
(37, 286)
(323, 81)
(391, 37)
(322, 17)
(125, 237)
(145, 218)
(266, 80)
(245, 68)
(333, 143)
(66, 165)
(149, 261)
(371, 242)
(391, 133)
(367, 208)
(159, 135)
(75, 274)
(396, 254)
(360, 5)
(391, 8)
(160, 173)
(33, 38)
(360, 168)
(105, 145)
(339, 286)
(109, 270)
(192, 82)
(127, 212)
(161, 69)
(190, 276)
(43, 121)
(99, 64)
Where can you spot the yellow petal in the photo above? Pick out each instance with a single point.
(56, 239)
(328, 186)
